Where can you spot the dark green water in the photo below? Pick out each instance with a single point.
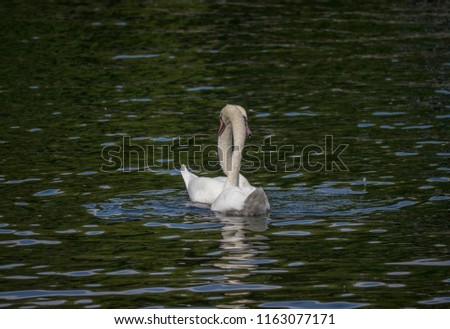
(78, 77)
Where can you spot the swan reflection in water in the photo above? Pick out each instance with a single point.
(242, 245)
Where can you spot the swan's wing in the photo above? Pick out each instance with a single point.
(204, 189)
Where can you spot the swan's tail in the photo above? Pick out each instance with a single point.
(187, 176)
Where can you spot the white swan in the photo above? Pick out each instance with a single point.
(236, 198)
(206, 189)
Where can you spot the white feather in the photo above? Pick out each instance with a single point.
(205, 189)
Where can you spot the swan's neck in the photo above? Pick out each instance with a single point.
(231, 144)
(225, 149)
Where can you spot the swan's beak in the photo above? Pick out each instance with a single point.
(221, 127)
(248, 132)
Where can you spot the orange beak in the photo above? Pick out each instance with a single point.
(221, 127)
(247, 130)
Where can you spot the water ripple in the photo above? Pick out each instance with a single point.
(87, 173)
(136, 100)
(296, 222)
(423, 262)
(25, 294)
(7, 231)
(387, 113)
(123, 272)
(399, 273)
(83, 273)
(28, 242)
(19, 181)
(438, 179)
(254, 261)
(418, 127)
(297, 114)
(9, 266)
(49, 192)
(366, 125)
(136, 56)
(369, 284)
(49, 303)
(21, 277)
(231, 287)
(292, 233)
(312, 304)
(321, 201)
(435, 301)
(203, 88)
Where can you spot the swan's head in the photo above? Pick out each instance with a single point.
(233, 113)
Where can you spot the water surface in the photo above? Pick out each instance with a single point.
(77, 78)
